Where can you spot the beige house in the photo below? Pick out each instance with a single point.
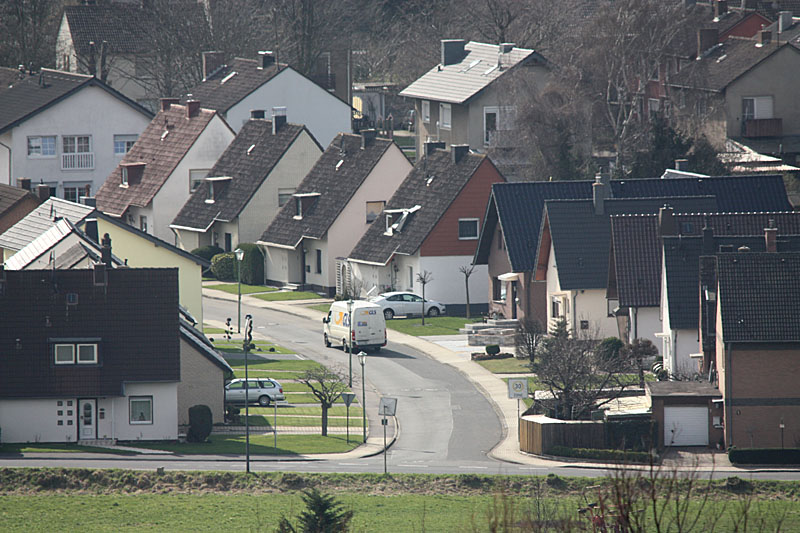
(203, 375)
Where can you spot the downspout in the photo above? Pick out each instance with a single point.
(302, 265)
(574, 311)
(728, 394)
(9, 161)
(635, 323)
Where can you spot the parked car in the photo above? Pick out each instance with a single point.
(262, 391)
(368, 330)
(406, 303)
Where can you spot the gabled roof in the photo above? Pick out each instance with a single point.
(426, 193)
(726, 63)
(758, 296)
(10, 76)
(40, 220)
(10, 196)
(682, 265)
(336, 176)
(200, 343)
(248, 161)
(518, 207)
(637, 248)
(232, 83)
(34, 94)
(161, 147)
(458, 82)
(581, 238)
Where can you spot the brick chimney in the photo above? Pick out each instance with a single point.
(105, 250)
(458, 152)
(166, 103)
(599, 193)
(764, 37)
(666, 221)
(267, 58)
(213, 61)
(192, 108)
(708, 239)
(430, 146)
(43, 191)
(720, 9)
(452, 51)
(278, 119)
(785, 21)
(770, 236)
(368, 138)
(707, 38)
(24, 183)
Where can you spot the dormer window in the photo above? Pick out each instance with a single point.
(210, 196)
(124, 177)
(215, 187)
(131, 172)
(303, 202)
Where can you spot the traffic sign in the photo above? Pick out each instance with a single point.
(518, 388)
(347, 397)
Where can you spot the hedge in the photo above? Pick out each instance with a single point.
(764, 456)
(199, 423)
(207, 252)
(616, 456)
(252, 264)
(631, 434)
(224, 266)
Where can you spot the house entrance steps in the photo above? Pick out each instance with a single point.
(493, 331)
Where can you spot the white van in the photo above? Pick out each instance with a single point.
(368, 331)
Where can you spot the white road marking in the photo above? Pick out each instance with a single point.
(475, 467)
(414, 466)
(348, 464)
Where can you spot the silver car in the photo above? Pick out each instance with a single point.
(406, 303)
(264, 391)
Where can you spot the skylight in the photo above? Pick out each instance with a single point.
(250, 150)
(471, 66)
(339, 164)
(164, 135)
(228, 77)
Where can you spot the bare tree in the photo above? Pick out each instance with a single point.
(467, 271)
(637, 351)
(327, 386)
(423, 278)
(527, 339)
(28, 30)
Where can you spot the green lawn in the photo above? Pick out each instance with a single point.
(259, 445)
(440, 325)
(320, 307)
(301, 421)
(262, 349)
(310, 410)
(209, 330)
(233, 288)
(512, 365)
(288, 295)
(15, 448)
(298, 397)
(296, 365)
(280, 375)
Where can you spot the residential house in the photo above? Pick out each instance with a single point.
(168, 162)
(431, 224)
(573, 255)
(66, 130)
(234, 89)
(203, 375)
(509, 237)
(16, 203)
(344, 192)
(246, 187)
(465, 99)
(80, 359)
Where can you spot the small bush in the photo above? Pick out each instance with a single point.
(207, 252)
(616, 456)
(232, 414)
(764, 456)
(252, 264)
(224, 266)
(493, 349)
(486, 357)
(199, 423)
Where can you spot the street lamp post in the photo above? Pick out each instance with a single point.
(350, 338)
(362, 358)
(248, 337)
(239, 256)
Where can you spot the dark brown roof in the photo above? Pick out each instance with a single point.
(660, 389)
(161, 154)
(248, 161)
(133, 346)
(336, 185)
(433, 184)
(11, 196)
(9, 76)
(231, 84)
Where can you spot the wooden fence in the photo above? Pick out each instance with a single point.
(538, 434)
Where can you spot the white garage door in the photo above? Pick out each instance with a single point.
(686, 426)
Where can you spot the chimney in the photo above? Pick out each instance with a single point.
(105, 250)
(770, 236)
(599, 192)
(706, 39)
(24, 183)
(43, 191)
(764, 37)
(89, 201)
(431, 146)
(278, 119)
(666, 221)
(708, 239)
(784, 21)
(367, 138)
(267, 58)
(720, 9)
(458, 151)
(682, 165)
(192, 108)
(452, 51)
(258, 114)
(212, 62)
(166, 103)
(92, 59)
(506, 47)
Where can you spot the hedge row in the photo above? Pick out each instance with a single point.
(616, 456)
(223, 265)
(764, 456)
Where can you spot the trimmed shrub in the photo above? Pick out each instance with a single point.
(477, 356)
(493, 349)
(207, 252)
(616, 456)
(232, 414)
(224, 266)
(200, 423)
(764, 456)
(252, 264)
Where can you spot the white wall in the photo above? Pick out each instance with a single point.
(35, 420)
(591, 305)
(90, 111)
(448, 285)
(306, 103)
(165, 412)
(649, 323)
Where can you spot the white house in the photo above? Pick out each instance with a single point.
(66, 130)
(169, 161)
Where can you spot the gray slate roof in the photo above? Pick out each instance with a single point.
(460, 81)
(336, 188)
(758, 295)
(248, 172)
(11, 196)
(434, 199)
(40, 220)
(215, 94)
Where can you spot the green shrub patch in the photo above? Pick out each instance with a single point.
(764, 456)
(614, 456)
(478, 356)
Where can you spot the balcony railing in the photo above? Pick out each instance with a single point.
(763, 127)
(83, 161)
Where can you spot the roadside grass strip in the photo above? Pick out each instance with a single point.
(233, 288)
(511, 365)
(294, 365)
(280, 375)
(320, 307)
(262, 348)
(439, 325)
(259, 445)
(282, 296)
(17, 448)
(210, 330)
(302, 421)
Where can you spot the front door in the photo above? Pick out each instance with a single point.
(87, 419)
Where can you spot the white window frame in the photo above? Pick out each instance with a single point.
(504, 120)
(93, 361)
(39, 139)
(143, 223)
(123, 143)
(477, 222)
(425, 108)
(763, 107)
(124, 177)
(75, 138)
(284, 195)
(445, 111)
(75, 158)
(133, 399)
(64, 362)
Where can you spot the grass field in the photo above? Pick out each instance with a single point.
(512, 365)
(440, 325)
(233, 288)
(288, 295)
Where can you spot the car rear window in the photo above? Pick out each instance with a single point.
(267, 384)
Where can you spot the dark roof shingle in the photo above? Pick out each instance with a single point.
(228, 86)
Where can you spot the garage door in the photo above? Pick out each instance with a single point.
(686, 426)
